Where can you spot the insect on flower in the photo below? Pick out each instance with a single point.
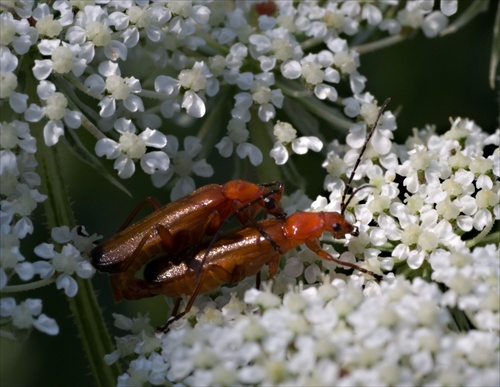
(182, 224)
(243, 253)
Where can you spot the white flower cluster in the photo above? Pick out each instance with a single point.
(423, 196)
(20, 197)
(353, 331)
(187, 54)
(394, 333)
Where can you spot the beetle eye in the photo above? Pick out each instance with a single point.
(269, 203)
(336, 227)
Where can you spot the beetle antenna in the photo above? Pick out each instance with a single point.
(365, 145)
(354, 194)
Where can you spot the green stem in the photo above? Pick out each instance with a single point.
(379, 44)
(84, 307)
(29, 285)
(478, 238)
(259, 134)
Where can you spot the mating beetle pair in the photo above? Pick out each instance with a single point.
(170, 240)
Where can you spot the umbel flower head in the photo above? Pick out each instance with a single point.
(352, 330)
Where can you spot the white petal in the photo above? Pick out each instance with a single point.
(52, 131)
(153, 138)
(449, 7)
(18, 102)
(45, 250)
(25, 271)
(251, 151)
(302, 144)
(279, 153)
(267, 63)
(200, 14)
(125, 166)
(23, 227)
(225, 147)
(155, 161)
(192, 145)
(7, 306)
(193, 104)
(85, 270)
(47, 46)
(67, 283)
(167, 85)
(73, 119)
(266, 112)
(332, 75)
(108, 68)
(95, 83)
(134, 85)
(352, 107)
(34, 113)
(108, 107)
(183, 186)
(46, 325)
(107, 147)
(202, 168)
(45, 89)
(261, 43)
(381, 143)
(43, 269)
(116, 50)
(357, 83)
(159, 179)
(291, 69)
(434, 23)
(324, 91)
(42, 69)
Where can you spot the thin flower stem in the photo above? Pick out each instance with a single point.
(260, 136)
(80, 86)
(29, 285)
(320, 109)
(478, 238)
(84, 307)
(91, 128)
(379, 44)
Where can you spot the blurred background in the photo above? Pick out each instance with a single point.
(430, 80)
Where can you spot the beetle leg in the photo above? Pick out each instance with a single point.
(153, 203)
(220, 274)
(314, 245)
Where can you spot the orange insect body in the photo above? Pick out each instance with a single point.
(182, 223)
(238, 255)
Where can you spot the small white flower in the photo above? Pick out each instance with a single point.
(55, 111)
(183, 165)
(64, 58)
(28, 314)
(238, 134)
(286, 135)
(21, 205)
(68, 262)
(132, 147)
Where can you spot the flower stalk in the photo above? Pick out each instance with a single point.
(85, 310)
